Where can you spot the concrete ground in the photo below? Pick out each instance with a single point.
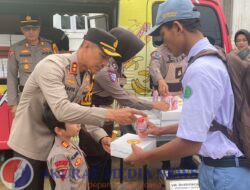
(130, 182)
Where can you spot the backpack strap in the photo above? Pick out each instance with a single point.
(220, 53)
(219, 127)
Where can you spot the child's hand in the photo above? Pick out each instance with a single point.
(105, 141)
(152, 129)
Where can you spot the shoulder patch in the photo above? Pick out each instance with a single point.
(62, 172)
(65, 144)
(156, 55)
(61, 167)
(73, 68)
(188, 92)
(61, 163)
(112, 76)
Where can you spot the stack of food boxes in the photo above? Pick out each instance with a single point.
(169, 117)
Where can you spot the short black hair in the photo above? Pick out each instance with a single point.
(191, 25)
(50, 120)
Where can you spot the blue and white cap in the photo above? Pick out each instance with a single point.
(172, 10)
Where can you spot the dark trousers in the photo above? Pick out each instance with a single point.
(186, 163)
(99, 171)
(99, 162)
(40, 171)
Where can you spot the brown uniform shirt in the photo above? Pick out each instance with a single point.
(106, 89)
(107, 85)
(55, 80)
(164, 66)
(22, 60)
(67, 166)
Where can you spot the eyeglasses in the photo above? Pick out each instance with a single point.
(28, 28)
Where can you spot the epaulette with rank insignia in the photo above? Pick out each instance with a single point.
(65, 144)
(73, 68)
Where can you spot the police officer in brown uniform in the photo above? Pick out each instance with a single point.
(58, 37)
(62, 80)
(166, 71)
(106, 89)
(23, 57)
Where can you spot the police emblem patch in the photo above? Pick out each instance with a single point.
(112, 76)
(156, 55)
(61, 167)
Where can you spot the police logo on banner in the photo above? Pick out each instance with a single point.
(16, 173)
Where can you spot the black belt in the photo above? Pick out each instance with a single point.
(230, 161)
(20, 88)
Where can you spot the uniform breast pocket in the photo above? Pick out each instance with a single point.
(79, 168)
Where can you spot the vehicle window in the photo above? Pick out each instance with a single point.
(65, 22)
(209, 23)
(99, 21)
(3, 67)
(80, 22)
(76, 26)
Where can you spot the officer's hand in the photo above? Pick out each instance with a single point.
(163, 88)
(137, 158)
(162, 106)
(106, 141)
(13, 110)
(153, 130)
(124, 116)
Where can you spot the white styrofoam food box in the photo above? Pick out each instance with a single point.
(173, 115)
(121, 147)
